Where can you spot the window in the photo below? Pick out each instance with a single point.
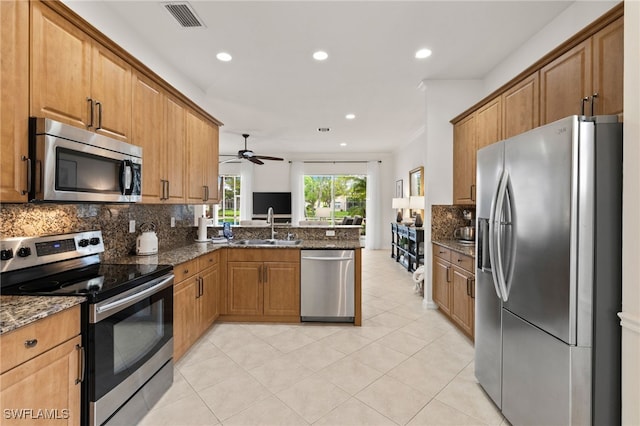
(334, 197)
(229, 208)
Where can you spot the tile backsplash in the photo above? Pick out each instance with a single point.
(27, 220)
(445, 219)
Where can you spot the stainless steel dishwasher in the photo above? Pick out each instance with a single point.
(327, 280)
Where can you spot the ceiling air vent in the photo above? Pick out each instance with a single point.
(184, 14)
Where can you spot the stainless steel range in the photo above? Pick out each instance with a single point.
(127, 319)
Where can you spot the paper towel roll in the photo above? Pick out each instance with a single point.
(202, 228)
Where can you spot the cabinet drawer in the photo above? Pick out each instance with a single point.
(463, 261)
(208, 260)
(185, 270)
(31, 340)
(442, 252)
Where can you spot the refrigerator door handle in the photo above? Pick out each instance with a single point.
(511, 221)
(492, 241)
(498, 225)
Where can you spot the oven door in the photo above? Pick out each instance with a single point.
(130, 338)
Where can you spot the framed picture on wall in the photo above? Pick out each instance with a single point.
(399, 188)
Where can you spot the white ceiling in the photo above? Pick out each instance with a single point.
(275, 91)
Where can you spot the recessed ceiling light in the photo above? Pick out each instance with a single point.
(423, 53)
(350, 116)
(223, 56)
(343, 144)
(320, 55)
(323, 129)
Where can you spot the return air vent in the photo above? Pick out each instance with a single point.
(184, 14)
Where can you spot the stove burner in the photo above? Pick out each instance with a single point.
(40, 286)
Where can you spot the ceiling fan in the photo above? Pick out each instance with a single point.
(247, 154)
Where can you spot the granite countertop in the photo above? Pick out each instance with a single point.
(18, 311)
(189, 252)
(455, 245)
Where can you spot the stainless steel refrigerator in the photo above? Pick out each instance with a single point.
(548, 273)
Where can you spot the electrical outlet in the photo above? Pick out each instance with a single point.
(132, 226)
(173, 222)
(330, 233)
(220, 233)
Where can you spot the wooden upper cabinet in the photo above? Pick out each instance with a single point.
(148, 132)
(14, 102)
(74, 79)
(60, 68)
(489, 123)
(464, 160)
(608, 64)
(520, 107)
(176, 151)
(565, 82)
(202, 159)
(211, 161)
(111, 90)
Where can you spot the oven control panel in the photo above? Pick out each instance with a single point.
(19, 253)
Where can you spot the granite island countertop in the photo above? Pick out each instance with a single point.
(455, 245)
(18, 311)
(189, 252)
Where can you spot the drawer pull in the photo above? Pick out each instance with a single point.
(31, 343)
(186, 271)
(442, 252)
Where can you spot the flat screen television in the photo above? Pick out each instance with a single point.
(280, 201)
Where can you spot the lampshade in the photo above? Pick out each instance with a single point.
(416, 202)
(400, 203)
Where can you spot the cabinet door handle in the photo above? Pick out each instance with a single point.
(81, 364)
(29, 182)
(582, 102)
(259, 274)
(473, 192)
(473, 288)
(264, 274)
(90, 125)
(99, 105)
(468, 293)
(166, 197)
(31, 343)
(201, 286)
(204, 193)
(593, 101)
(448, 269)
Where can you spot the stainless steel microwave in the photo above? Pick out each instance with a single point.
(68, 164)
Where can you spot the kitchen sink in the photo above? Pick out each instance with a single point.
(267, 242)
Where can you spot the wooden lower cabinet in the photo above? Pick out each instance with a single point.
(195, 300)
(43, 387)
(462, 302)
(263, 285)
(453, 287)
(441, 284)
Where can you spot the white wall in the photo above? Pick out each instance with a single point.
(630, 223)
(569, 22)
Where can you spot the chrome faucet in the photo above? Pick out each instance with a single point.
(271, 222)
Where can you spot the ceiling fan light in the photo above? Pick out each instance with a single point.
(423, 53)
(350, 116)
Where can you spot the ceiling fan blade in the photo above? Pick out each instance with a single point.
(265, 157)
(254, 160)
(229, 160)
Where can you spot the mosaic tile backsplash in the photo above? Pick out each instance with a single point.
(445, 219)
(28, 220)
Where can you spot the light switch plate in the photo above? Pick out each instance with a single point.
(132, 226)
(173, 222)
(330, 233)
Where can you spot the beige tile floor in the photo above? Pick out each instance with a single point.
(405, 365)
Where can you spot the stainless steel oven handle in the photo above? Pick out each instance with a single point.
(153, 287)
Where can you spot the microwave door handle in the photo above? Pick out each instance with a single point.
(126, 177)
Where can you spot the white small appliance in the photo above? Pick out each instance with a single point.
(147, 241)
